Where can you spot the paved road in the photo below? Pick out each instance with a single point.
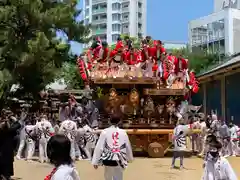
(140, 169)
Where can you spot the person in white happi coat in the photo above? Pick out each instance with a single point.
(80, 143)
(233, 147)
(69, 129)
(202, 136)
(217, 167)
(215, 126)
(30, 140)
(44, 131)
(196, 146)
(179, 140)
(91, 139)
(22, 143)
(113, 151)
(224, 133)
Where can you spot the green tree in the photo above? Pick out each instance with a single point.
(200, 61)
(136, 41)
(30, 48)
(71, 76)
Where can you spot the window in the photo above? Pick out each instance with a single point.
(116, 27)
(95, 17)
(87, 12)
(115, 37)
(139, 5)
(116, 6)
(116, 17)
(103, 16)
(125, 5)
(139, 15)
(87, 2)
(139, 25)
(103, 6)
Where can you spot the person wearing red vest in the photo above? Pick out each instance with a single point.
(169, 67)
(144, 50)
(131, 57)
(102, 65)
(193, 83)
(116, 58)
(157, 53)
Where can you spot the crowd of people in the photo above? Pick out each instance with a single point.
(214, 143)
(62, 142)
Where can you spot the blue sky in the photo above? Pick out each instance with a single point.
(167, 20)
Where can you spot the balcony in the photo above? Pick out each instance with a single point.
(98, 1)
(125, 20)
(125, 31)
(125, 9)
(99, 21)
(99, 11)
(99, 31)
(116, 32)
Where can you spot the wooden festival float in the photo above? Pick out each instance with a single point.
(146, 102)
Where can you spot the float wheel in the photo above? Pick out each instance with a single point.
(155, 150)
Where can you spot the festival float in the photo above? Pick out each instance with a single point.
(148, 87)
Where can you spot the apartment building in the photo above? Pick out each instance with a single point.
(218, 32)
(111, 18)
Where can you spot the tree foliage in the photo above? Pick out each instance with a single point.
(199, 61)
(71, 76)
(30, 49)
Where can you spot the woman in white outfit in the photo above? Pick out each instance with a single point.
(58, 151)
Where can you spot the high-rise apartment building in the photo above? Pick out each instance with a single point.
(111, 18)
(218, 32)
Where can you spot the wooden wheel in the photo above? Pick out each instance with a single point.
(155, 150)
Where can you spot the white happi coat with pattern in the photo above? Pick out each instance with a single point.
(44, 131)
(179, 134)
(69, 129)
(113, 145)
(219, 169)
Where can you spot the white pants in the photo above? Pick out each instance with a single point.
(225, 147)
(89, 148)
(72, 152)
(30, 149)
(196, 143)
(233, 148)
(21, 147)
(43, 150)
(113, 173)
(77, 151)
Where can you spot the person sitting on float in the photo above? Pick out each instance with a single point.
(117, 54)
(103, 53)
(131, 57)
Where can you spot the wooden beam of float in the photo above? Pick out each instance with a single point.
(151, 131)
(143, 80)
(165, 91)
